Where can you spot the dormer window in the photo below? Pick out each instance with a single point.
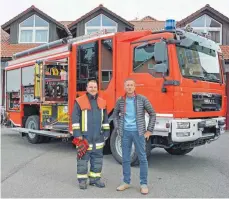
(99, 23)
(34, 30)
(206, 24)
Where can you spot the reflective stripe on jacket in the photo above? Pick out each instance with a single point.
(90, 119)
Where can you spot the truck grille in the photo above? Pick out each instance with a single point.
(203, 102)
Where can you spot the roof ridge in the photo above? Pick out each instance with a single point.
(27, 11)
(206, 7)
(96, 9)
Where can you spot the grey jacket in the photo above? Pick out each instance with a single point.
(142, 104)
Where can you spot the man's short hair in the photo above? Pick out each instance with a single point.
(92, 80)
(129, 79)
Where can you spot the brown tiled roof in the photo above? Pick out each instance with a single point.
(100, 7)
(225, 51)
(148, 23)
(192, 17)
(148, 18)
(10, 50)
(65, 23)
(5, 37)
(7, 49)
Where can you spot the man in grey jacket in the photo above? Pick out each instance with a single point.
(129, 120)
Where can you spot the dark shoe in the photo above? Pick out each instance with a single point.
(97, 183)
(83, 185)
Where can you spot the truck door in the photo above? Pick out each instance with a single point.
(148, 82)
(94, 60)
(87, 65)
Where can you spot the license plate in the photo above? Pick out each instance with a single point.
(210, 122)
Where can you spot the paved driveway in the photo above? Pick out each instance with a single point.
(49, 170)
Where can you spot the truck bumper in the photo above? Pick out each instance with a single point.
(186, 130)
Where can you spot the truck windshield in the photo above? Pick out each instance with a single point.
(197, 62)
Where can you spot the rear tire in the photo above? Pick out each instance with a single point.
(116, 149)
(32, 122)
(179, 151)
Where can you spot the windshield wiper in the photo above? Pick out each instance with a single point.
(195, 77)
(202, 78)
(213, 80)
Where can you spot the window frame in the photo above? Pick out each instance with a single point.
(209, 29)
(102, 69)
(167, 63)
(109, 75)
(101, 27)
(80, 64)
(33, 28)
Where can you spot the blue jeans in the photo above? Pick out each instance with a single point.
(139, 141)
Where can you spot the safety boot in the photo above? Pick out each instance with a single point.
(83, 185)
(97, 183)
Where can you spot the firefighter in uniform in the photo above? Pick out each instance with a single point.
(90, 122)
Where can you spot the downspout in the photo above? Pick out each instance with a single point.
(227, 93)
(68, 32)
(41, 48)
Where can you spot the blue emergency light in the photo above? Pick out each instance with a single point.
(170, 24)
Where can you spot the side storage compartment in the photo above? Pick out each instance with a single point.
(55, 116)
(13, 91)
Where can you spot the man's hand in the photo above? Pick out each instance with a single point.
(147, 135)
(80, 138)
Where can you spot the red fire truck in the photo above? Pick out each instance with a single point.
(179, 71)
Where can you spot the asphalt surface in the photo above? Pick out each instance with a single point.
(49, 170)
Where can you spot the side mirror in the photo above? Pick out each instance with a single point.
(160, 52)
(161, 68)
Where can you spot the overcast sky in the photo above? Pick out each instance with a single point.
(70, 10)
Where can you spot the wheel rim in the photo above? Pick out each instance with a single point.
(118, 146)
(32, 125)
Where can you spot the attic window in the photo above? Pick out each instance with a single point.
(207, 24)
(99, 23)
(34, 30)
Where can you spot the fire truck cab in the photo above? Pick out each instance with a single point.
(179, 71)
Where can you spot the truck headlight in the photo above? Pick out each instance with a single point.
(183, 125)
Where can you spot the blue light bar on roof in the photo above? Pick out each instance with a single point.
(170, 24)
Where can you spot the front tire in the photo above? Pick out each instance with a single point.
(116, 149)
(178, 151)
